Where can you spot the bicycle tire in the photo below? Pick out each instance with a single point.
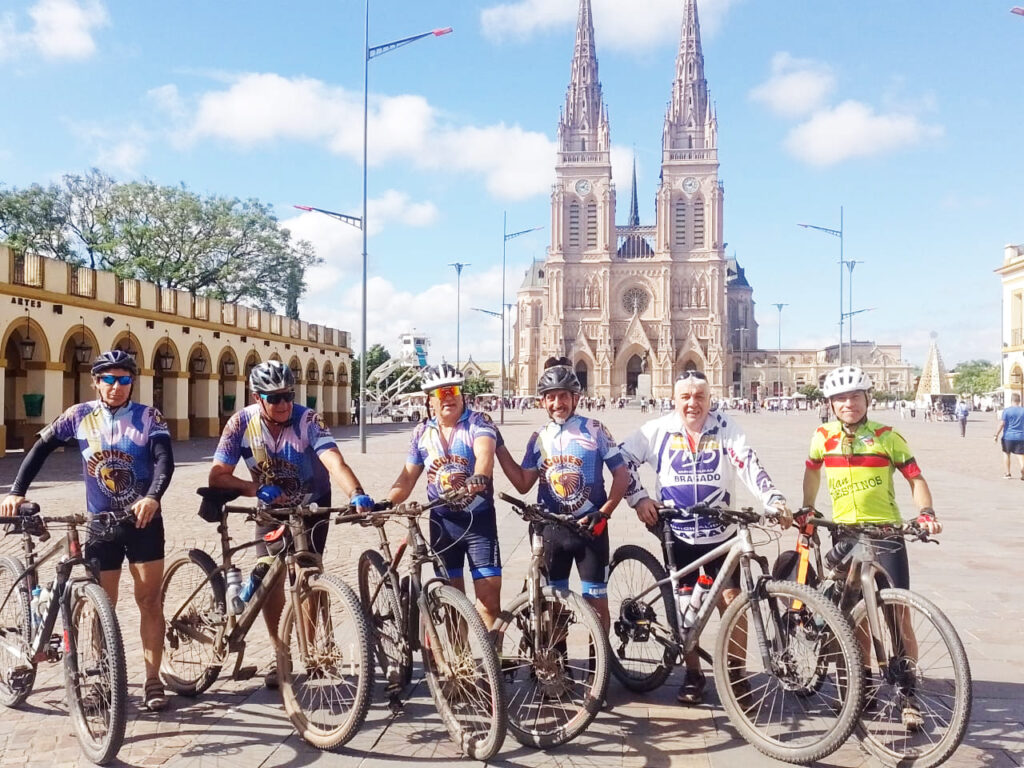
(191, 659)
(639, 657)
(472, 705)
(326, 705)
(98, 694)
(17, 675)
(556, 683)
(815, 712)
(942, 691)
(384, 610)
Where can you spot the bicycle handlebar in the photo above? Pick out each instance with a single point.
(539, 513)
(742, 516)
(909, 528)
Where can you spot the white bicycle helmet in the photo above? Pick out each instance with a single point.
(443, 375)
(271, 376)
(846, 378)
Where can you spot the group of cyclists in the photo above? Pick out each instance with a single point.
(697, 452)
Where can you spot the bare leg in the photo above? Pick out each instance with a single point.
(147, 578)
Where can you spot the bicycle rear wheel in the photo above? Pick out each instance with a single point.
(556, 680)
(935, 679)
(642, 628)
(462, 672)
(326, 686)
(98, 691)
(194, 606)
(802, 703)
(384, 610)
(17, 673)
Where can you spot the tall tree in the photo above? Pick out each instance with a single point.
(975, 377)
(376, 356)
(34, 219)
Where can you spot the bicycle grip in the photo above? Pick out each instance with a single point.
(511, 500)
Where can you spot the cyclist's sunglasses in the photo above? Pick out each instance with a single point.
(109, 380)
(695, 374)
(442, 392)
(275, 398)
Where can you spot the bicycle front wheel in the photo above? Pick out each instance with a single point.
(17, 673)
(462, 671)
(556, 677)
(926, 670)
(326, 681)
(95, 675)
(797, 701)
(642, 636)
(195, 610)
(383, 608)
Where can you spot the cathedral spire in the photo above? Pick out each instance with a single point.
(584, 123)
(688, 112)
(634, 208)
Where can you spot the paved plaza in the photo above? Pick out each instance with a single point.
(975, 576)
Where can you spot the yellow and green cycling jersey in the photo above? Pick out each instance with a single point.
(860, 468)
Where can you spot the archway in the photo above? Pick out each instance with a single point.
(251, 361)
(26, 350)
(78, 351)
(634, 367)
(165, 362)
(1016, 381)
(581, 374)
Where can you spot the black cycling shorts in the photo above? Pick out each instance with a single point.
(139, 545)
(460, 536)
(892, 556)
(684, 553)
(564, 546)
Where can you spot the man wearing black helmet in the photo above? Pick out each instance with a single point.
(456, 447)
(566, 455)
(291, 457)
(127, 463)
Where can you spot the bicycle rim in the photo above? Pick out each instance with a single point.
(98, 692)
(935, 680)
(462, 671)
(194, 607)
(326, 690)
(382, 606)
(803, 704)
(17, 674)
(555, 679)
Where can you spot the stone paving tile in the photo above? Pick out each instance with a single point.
(237, 724)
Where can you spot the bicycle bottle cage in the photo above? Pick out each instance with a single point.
(212, 507)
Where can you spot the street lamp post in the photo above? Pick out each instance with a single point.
(459, 266)
(501, 385)
(778, 356)
(369, 53)
(836, 233)
(850, 264)
(506, 236)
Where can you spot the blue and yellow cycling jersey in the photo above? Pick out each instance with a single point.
(289, 461)
(450, 463)
(115, 445)
(568, 458)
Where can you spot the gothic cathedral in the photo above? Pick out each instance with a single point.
(623, 301)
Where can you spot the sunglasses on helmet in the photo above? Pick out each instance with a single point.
(695, 374)
(110, 378)
(274, 398)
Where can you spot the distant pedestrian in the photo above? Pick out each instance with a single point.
(962, 409)
(824, 411)
(1011, 427)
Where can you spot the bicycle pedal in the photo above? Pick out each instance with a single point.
(395, 704)
(21, 678)
(244, 673)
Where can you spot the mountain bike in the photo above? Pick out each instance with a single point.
(324, 654)
(917, 677)
(408, 613)
(95, 676)
(553, 649)
(786, 664)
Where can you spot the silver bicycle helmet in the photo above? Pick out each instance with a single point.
(846, 378)
(113, 360)
(443, 375)
(271, 376)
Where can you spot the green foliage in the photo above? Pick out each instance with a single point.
(975, 377)
(811, 392)
(477, 385)
(376, 356)
(221, 247)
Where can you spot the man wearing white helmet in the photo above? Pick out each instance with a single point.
(456, 446)
(292, 459)
(860, 458)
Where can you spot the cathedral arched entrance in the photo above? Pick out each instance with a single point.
(634, 367)
(581, 374)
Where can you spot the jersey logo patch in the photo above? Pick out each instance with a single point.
(564, 476)
(449, 473)
(114, 473)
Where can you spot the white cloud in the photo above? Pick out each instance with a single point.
(796, 87)
(60, 29)
(617, 24)
(118, 148)
(259, 108)
(854, 129)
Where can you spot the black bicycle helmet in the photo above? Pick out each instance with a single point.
(113, 360)
(558, 377)
(271, 376)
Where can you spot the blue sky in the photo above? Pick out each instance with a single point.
(909, 115)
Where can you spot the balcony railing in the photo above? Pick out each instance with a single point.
(128, 292)
(27, 269)
(692, 154)
(635, 242)
(228, 314)
(167, 299)
(83, 282)
(200, 308)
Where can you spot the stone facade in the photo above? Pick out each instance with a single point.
(1011, 273)
(194, 353)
